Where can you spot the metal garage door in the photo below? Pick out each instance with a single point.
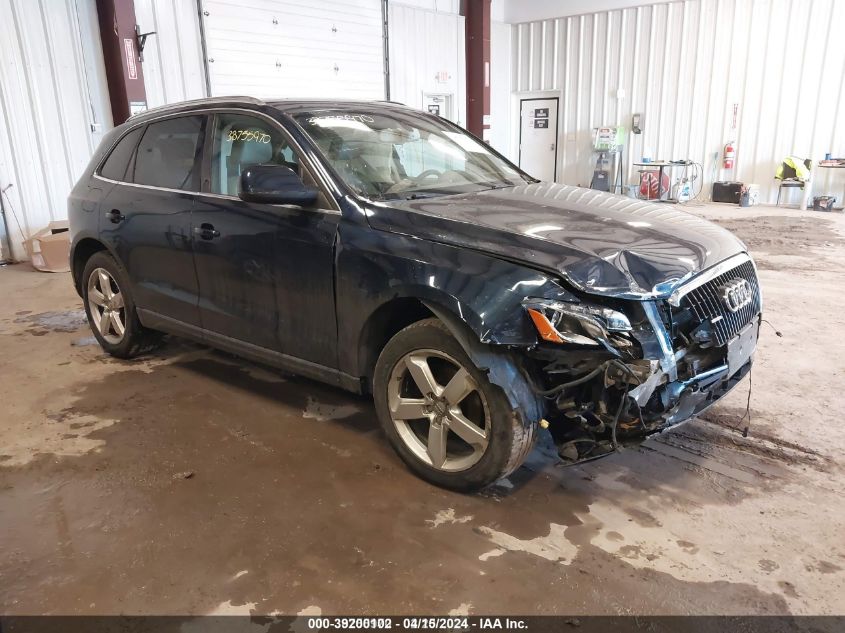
(295, 48)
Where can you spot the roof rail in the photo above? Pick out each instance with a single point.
(204, 101)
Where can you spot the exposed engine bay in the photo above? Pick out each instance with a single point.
(627, 369)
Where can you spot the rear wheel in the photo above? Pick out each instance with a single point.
(111, 308)
(441, 413)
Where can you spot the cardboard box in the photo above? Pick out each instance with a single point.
(49, 249)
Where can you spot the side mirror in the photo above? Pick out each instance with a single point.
(275, 184)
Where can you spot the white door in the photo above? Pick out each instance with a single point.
(538, 137)
(295, 48)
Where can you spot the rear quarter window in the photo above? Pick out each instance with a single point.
(115, 166)
(167, 155)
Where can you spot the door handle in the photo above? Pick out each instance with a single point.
(115, 216)
(206, 231)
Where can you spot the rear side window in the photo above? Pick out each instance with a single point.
(117, 162)
(167, 155)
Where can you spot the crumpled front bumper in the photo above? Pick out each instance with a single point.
(686, 397)
(696, 397)
(622, 400)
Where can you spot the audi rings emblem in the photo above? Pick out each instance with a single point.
(736, 294)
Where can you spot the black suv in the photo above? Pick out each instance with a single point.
(388, 251)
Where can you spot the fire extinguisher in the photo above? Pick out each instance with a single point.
(730, 156)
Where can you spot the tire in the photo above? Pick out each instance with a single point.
(501, 440)
(122, 334)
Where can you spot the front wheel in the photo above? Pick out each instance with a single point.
(442, 415)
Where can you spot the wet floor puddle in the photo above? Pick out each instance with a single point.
(291, 482)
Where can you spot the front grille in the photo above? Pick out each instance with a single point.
(706, 302)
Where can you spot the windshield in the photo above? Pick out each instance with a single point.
(404, 156)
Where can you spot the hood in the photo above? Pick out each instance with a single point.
(600, 243)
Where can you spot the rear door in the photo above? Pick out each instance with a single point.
(146, 216)
(265, 272)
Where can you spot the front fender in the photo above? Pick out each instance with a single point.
(483, 292)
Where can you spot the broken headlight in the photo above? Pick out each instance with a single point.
(583, 324)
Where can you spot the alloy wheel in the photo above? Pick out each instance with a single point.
(106, 306)
(438, 410)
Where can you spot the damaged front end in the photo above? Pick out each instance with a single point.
(612, 371)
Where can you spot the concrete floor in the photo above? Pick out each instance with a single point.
(191, 482)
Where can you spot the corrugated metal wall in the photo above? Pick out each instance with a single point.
(173, 63)
(423, 43)
(53, 107)
(682, 65)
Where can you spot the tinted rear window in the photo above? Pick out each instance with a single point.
(167, 155)
(118, 160)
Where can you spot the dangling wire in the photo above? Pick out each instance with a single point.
(574, 383)
(747, 409)
(623, 401)
(778, 332)
(745, 415)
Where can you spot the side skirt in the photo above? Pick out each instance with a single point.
(156, 321)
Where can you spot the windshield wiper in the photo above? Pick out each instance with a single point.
(419, 196)
(504, 184)
(489, 186)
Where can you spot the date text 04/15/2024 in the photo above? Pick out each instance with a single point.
(455, 623)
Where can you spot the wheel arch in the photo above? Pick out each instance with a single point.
(81, 252)
(501, 364)
(382, 325)
(410, 303)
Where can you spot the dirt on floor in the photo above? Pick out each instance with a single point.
(190, 482)
(779, 237)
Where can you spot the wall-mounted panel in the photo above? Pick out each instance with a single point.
(53, 107)
(683, 65)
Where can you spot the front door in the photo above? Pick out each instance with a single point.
(266, 272)
(538, 137)
(146, 215)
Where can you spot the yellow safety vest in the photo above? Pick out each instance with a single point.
(801, 171)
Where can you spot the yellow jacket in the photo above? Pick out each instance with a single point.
(793, 167)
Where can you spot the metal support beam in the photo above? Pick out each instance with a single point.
(202, 14)
(121, 55)
(386, 45)
(477, 20)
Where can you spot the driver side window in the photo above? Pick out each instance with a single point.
(241, 140)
